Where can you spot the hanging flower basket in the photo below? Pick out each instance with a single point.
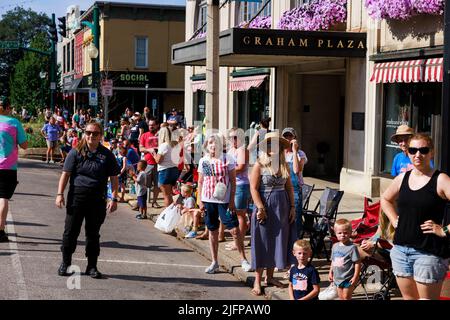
(403, 9)
(316, 16)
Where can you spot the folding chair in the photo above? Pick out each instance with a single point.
(319, 222)
(366, 226)
(307, 191)
(381, 263)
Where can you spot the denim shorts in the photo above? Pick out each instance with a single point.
(423, 266)
(168, 176)
(344, 284)
(241, 196)
(215, 210)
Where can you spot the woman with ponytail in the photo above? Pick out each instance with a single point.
(88, 168)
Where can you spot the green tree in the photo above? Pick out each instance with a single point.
(21, 25)
(27, 88)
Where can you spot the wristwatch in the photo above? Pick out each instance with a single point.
(445, 229)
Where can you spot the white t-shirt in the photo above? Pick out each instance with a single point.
(214, 170)
(189, 203)
(140, 184)
(171, 156)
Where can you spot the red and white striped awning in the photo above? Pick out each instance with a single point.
(398, 71)
(198, 85)
(245, 83)
(434, 70)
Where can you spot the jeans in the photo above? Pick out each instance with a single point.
(298, 212)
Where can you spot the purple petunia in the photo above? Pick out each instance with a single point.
(403, 9)
(318, 15)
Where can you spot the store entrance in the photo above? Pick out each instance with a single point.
(317, 112)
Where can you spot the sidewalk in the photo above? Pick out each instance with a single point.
(351, 207)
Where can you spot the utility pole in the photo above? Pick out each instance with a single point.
(445, 108)
(96, 62)
(53, 65)
(212, 65)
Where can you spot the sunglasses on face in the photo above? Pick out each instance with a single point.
(92, 133)
(423, 150)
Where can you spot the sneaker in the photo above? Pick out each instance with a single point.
(51, 161)
(213, 268)
(140, 217)
(246, 266)
(191, 234)
(3, 236)
(186, 230)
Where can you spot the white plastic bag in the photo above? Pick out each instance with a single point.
(329, 293)
(220, 191)
(168, 219)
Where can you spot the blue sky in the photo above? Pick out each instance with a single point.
(59, 6)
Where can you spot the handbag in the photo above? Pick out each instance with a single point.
(168, 219)
(220, 189)
(329, 293)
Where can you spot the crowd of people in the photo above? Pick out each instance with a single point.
(224, 183)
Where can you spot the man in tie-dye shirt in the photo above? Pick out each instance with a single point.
(11, 135)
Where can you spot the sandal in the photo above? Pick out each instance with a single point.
(156, 205)
(230, 247)
(203, 236)
(274, 282)
(256, 292)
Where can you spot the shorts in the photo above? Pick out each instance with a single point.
(66, 149)
(142, 201)
(241, 196)
(52, 144)
(8, 183)
(152, 175)
(215, 210)
(423, 266)
(123, 178)
(344, 284)
(168, 176)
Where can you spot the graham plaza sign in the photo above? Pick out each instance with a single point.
(241, 46)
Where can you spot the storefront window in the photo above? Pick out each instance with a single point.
(199, 105)
(411, 104)
(252, 105)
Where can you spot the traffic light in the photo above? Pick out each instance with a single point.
(52, 32)
(62, 27)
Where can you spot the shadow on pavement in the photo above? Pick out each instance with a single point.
(31, 224)
(204, 282)
(117, 245)
(33, 194)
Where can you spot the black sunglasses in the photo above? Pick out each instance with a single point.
(423, 150)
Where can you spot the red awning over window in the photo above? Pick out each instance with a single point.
(398, 71)
(199, 85)
(245, 83)
(430, 70)
(434, 70)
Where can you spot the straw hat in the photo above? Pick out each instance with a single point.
(402, 130)
(271, 136)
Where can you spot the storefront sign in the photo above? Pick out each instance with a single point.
(138, 79)
(287, 42)
(67, 82)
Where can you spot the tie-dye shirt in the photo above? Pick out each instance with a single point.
(11, 134)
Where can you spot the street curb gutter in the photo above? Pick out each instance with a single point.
(230, 264)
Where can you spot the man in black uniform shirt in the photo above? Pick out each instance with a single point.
(88, 167)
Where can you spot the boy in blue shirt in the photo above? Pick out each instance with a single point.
(303, 278)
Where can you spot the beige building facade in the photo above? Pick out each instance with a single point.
(134, 52)
(343, 119)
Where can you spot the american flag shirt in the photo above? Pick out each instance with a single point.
(215, 170)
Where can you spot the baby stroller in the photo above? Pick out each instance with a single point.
(378, 266)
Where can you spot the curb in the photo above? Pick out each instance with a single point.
(227, 262)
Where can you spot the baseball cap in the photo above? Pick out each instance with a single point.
(289, 130)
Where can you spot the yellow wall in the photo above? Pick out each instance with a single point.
(117, 46)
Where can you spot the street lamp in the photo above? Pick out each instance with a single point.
(92, 51)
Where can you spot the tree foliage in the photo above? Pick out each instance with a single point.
(22, 25)
(27, 88)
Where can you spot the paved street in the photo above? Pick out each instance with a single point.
(137, 260)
